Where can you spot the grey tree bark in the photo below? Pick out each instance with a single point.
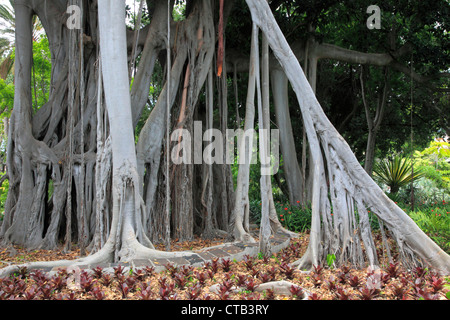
(262, 81)
(292, 173)
(373, 123)
(240, 217)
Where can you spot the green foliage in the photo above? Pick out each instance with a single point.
(330, 260)
(41, 72)
(3, 195)
(447, 286)
(40, 78)
(294, 218)
(433, 218)
(439, 149)
(435, 166)
(396, 173)
(6, 98)
(8, 28)
(431, 191)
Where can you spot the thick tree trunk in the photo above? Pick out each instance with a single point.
(200, 53)
(17, 206)
(28, 159)
(269, 222)
(46, 133)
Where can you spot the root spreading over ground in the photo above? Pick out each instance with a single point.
(257, 278)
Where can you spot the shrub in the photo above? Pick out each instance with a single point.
(434, 219)
(294, 218)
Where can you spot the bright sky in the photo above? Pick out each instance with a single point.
(131, 3)
(4, 2)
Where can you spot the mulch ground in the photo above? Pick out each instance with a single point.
(233, 280)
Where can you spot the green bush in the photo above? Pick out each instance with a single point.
(434, 219)
(434, 162)
(293, 218)
(3, 195)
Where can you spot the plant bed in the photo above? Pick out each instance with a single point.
(220, 280)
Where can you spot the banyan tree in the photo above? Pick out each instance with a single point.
(80, 171)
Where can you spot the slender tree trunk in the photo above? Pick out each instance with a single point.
(126, 226)
(373, 123)
(292, 173)
(370, 151)
(264, 146)
(225, 183)
(239, 219)
(207, 188)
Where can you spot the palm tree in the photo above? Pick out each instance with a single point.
(6, 63)
(7, 17)
(396, 173)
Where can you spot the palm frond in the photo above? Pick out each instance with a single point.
(396, 173)
(7, 14)
(6, 66)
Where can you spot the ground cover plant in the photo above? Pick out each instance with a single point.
(100, 117)
(231, 279)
